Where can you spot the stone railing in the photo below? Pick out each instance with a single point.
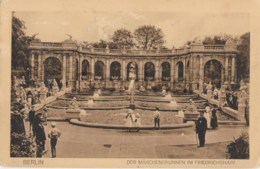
(53, 45)
(214, 47)
(157, 52)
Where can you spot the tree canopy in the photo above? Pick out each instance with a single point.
(123, 38)
(20, 44)
(148, 36)
(243, 59)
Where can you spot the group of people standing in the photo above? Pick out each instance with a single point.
(133, 119)
(37, 122)
(232, 99)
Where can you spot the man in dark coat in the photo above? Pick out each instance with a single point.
(40, 135)
(31, 118)
(201, 127)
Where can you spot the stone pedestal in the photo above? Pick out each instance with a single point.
(194, 86)
(222, 99)
(55, 90)
(72, 114)
(241, 109)
(77, 86)
(42, 96)
(209, 94)
(179, 119)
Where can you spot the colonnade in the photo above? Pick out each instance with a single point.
(193, 68)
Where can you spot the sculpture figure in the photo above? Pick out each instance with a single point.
(74, 104)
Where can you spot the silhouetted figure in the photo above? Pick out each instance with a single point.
(201, 128)
(214, 119)
(156, 119)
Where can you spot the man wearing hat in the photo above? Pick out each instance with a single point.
(201, 127)
(156, 115)
(45, 109)
(54, 134)
(40, 134)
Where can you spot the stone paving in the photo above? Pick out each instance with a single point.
(83, 142)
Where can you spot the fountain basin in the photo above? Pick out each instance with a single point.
(72, 114)
(142, 127)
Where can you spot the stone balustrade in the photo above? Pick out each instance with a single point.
(157, 52)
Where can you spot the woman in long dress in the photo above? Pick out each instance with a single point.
(129, 120)
(214, 119)
(207, 115)
(137, 121)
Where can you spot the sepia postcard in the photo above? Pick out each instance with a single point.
(129, 84)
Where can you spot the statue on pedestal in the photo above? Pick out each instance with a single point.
(43, 91)
(200, 86)
(132, 77)
(74, 104)
(142, 89)
(55, 87)
(191, 107)
(23, 94)
(74, 111)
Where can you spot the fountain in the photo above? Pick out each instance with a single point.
(132, 101)
(97, 94)
(191, 111)
(173, 103)
(74, 110)
(55, 88)
(168, 96)
(90, 102)
(181, 113)
(132, 76)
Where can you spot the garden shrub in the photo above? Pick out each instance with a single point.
(239, 148)
(22, 146)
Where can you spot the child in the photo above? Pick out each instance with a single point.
(54, 134)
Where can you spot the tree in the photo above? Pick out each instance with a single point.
(239, 148)
(219, 39)
(20, 44)
(243, 59)
(149, 36)
(123, 38)
(103, 44)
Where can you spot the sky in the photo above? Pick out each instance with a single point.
(91, 26)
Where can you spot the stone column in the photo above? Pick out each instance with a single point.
(124, 72)
(201, 74)
(40, 64)
(226, 70)
(184, 70)
(176, 72)
(190, 70)
(140, 72)
(233, 69)
(32, 66)
(123, 75)
(70, 70)
(201, 69)
(172, 73)
(193, 73)
(80, 71)
(64, 68)
(107, 78)
(92, 70)
(157, 71)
